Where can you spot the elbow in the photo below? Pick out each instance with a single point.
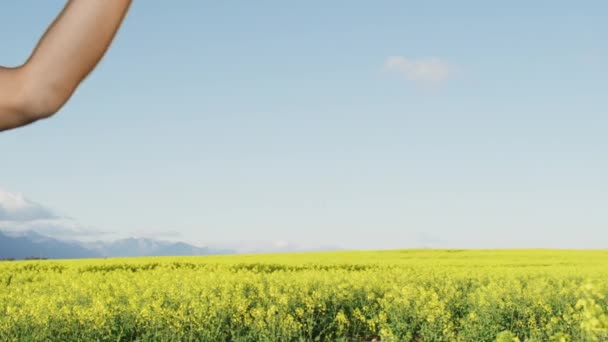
(43, 103)
(40, 100)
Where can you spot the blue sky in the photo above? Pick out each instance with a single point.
(359, 124)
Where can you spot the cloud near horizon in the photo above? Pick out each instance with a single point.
(19, 214)
(431, 71)
(157, 234)
(16, 208)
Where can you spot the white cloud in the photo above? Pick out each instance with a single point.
(15, 207)
(430, 71)
(62, 229)
(19, 214)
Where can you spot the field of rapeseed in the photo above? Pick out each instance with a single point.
(410, 295)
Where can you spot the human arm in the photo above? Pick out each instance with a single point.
(66, 54)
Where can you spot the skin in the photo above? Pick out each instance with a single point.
(67, 53)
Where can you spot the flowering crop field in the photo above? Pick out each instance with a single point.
(409, 295)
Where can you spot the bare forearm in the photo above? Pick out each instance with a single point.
(67, 53)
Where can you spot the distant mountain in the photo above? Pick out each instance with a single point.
(29, 244)
(134, 247)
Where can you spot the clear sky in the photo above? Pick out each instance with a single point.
(360, 124)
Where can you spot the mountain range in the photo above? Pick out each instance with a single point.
(32, 230)
(29, 244)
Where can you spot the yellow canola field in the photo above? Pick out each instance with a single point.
(408, 295)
